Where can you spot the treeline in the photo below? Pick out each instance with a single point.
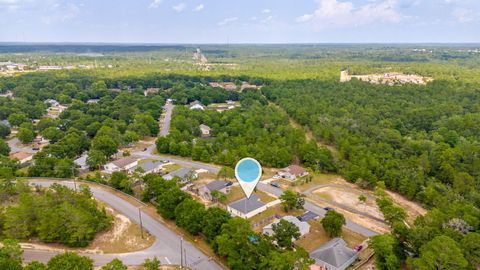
(256, 129)
(110, 120)
(54, 215)
(421, 141)
(229, 237)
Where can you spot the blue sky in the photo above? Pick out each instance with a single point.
(240, 21)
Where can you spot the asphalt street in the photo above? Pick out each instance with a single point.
(166, 248)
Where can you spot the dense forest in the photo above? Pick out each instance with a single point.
(422, 141)
(256, 129)
(114, 119)
(54, 215)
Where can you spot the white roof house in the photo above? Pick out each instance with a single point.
(247, 208)
(82, 162)
(205, 130)
(302, 226)
(126, 164)
(334, 255)
(196, 105)
(52, 102)
(150, 167)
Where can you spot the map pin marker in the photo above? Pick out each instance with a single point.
(248, 172)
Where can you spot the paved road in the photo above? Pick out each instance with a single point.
(14, 148)
(166, 248)
(318, 210)
(165, 129)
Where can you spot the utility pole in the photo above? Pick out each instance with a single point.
(141, 224)
(181, 252)
(185, 254)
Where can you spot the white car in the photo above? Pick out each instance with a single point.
(276, 176)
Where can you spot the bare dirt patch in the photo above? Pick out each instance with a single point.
(124, 236)
(413, 209)
(349, 198)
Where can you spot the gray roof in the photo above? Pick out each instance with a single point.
(216, 185)
(247, 205)
(148, 166)
(307, 216)
(335, 254)
(6, 123)
(122, 162)
(303, 227)
(182, 173)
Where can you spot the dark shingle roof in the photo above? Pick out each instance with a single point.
(216, 185)
(247, 205)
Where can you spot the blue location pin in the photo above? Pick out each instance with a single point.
(248, 172)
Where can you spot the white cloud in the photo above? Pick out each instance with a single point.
(199, 7)
(227, 21)
(180, 7)
(464, 15)
(61, 13)
(338, 14)
(155, 3)
(265, 11)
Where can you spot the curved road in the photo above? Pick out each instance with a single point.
(166, 247)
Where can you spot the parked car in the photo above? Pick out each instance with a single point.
(144, 149)
(35, 149)
(328, 209)
(276, 176)
(275, 185)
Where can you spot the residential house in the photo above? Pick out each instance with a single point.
(293, 172)
(186, 175)
(230, 102)
(81, 162)
(205, 191)
(334, 255)
(150, 91)
(196, 105)
(126, 164)
(93, 101)
(308, 215)
(150, 167)
(302, 226)
(23, 157)
(205, 130)
(52, 102)
(247, 208)
(230, 86)
(5, 123)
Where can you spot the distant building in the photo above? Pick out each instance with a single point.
(22, 157)
(151, 91)
(230, 102)
(334, 255)
(196, 105)
(184, 174)
(307, 216)
(52, 102)
(292, 172)
(5, 123)
(150, 167)
(205, 130)
(230, 86)
(302, 226)
(81, 162)
(246, 208)
(93, 101)
(221, 186)
(125, 164)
